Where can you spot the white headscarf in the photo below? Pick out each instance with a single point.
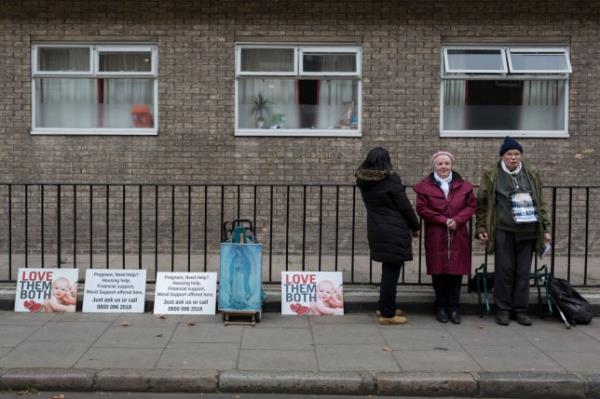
(444, 183)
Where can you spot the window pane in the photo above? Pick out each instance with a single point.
(504, 105)
(120, 61)
(551, 62)
(475, 60)
(329, 62)
(94, 103)
(298, 104)
(68, 59)
(267, 60)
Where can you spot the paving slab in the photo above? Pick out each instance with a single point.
(70, 331)
(419, 339)
(577, 362)
(26, 318)
(531, 385)
(426, 384)
(487, 336)
(347, 334)
(512, 358)
(575, 341)
(323, 383)
(207, 356)
(12, 335)
(277, 338)
(119, 358)
(45, 354)
(436, 360)
(47, 379)
(355, 357)
(277, 360)
(348, 318)
(206, 332)
(276, 320)
(79, 316)
(149, 336)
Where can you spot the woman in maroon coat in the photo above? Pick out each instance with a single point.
(446, 203)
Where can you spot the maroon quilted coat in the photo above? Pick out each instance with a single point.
(435, 209)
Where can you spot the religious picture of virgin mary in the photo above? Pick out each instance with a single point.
(240, 277)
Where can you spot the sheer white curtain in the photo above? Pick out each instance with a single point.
(543, 107)
(337, 103)
(454, 105)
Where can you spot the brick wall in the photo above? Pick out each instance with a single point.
(196, 145)
(401, 45)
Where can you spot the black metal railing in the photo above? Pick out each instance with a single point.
(302, 227)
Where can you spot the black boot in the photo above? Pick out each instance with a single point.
(455, 316)
(441, 315)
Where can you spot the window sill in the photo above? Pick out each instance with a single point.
(504, 133)
(94, 132)
(297, 133)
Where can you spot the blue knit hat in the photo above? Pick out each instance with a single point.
(510, 144)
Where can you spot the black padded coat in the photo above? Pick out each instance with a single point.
(390, 216)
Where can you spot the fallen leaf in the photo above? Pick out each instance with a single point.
(162, 316)
(124, 324)
(578, 156)
(588, 151)
(191, 323)
(387, 349)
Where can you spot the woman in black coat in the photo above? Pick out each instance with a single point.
(391, 224)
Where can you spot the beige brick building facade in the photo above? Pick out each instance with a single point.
(400, 44)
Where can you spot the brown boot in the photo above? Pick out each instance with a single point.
(399, 312)
(390, 321)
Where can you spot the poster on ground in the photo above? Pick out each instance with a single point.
(185, 293)
(312, 293)
(114, 291)
(46, 290)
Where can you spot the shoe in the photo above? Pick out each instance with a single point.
(502, 317)
(455, 317)
(399, 312)
(441, 315)
(523, 319)
(390, 321)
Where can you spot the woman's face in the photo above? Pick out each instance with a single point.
(442, 165)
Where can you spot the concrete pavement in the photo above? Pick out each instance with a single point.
(332, 355)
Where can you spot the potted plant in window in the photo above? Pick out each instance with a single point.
(259, 109)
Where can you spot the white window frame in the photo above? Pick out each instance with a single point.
(34, 60)
(310, 49)
(94, 73)
(494, 71)
(238, 61)
(124, 49)
(520, 76)
(562, 51)
(298, 51)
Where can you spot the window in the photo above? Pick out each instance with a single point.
(291, 90)
(94, 89)
(496, 90)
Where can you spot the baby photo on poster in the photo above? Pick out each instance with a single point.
(46, 290)
(312, 293)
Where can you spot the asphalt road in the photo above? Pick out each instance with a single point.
(145, 395)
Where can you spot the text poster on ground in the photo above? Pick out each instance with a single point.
(114, 291)
(312, 293)
(185, 293)
(46, 290)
